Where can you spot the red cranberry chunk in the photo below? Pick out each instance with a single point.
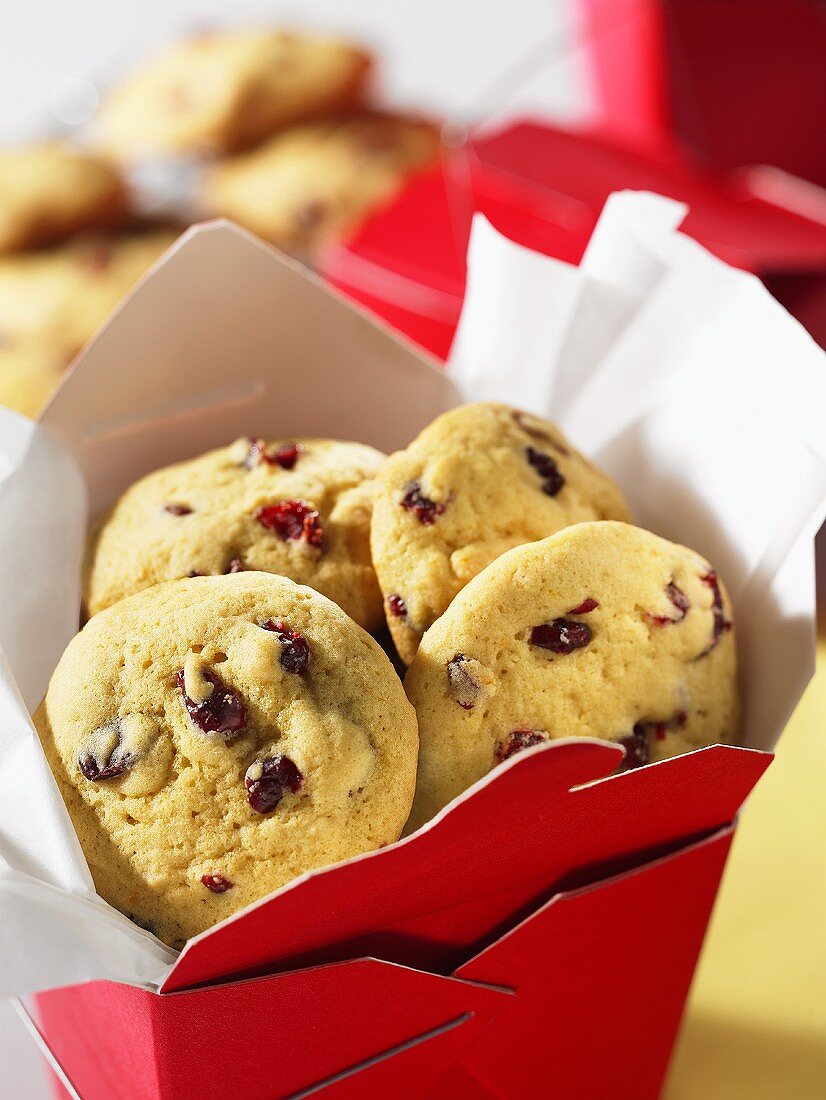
(285, 457)
(236, 566)
(637, 750)
(269, 780)
(222, 712)
(292, 520)
(561, 635)
(295, 649)
(118, 762)
(720, 624)
(216, 883)
(584, 607)
(176, 509)
(546, 467)
(517, 741)
(397, 607)
(423, 508)
(465, 689)
(679, 600)
(638, 744)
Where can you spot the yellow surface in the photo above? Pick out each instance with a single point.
(756, 1023)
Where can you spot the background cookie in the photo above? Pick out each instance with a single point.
(602, 630)
(477, 481)
(300, 508)
(314, 182)
(50, 192)
(214, 738)
(65, 294)
(226, 91)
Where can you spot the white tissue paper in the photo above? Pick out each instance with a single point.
(680, 375)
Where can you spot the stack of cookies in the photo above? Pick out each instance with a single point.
(231, 714)
(288, 146)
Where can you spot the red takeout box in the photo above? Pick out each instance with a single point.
(545, 186)
(537, 938)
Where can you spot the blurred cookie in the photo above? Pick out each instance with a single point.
(219, 92)
(296, 507)
(479, 480)
(313, 183)
(29, 371)
(50, 192)
(64, 294)
(215, 738)
(602, 630)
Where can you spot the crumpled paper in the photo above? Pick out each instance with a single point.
(681, 376)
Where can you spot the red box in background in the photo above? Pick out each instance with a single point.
(544, 186)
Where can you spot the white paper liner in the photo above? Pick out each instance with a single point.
(679, 374)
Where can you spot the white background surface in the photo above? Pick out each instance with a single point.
(460, 58)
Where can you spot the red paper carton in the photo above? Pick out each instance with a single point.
(538, 937)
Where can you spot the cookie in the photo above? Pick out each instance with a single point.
(296, 507)
(476, 482)
(214, 738)
(29, 371)
(220, 92)
(602, 630)
(63, 295)
(50, 192)
(313, 183)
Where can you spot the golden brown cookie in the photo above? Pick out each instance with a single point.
(225, 91)
(602, 630)
(214, 738)
(297, 507)
(477, 481)
(313, 183)
(50, 192)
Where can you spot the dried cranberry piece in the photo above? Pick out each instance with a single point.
(285, 457)
(222, 712)
(236, 566)
(176, 509)
(216, 883)
(561, 635)
(721, 624)
(584, 607)
(269, 780)
(637, 751)
(517, 741)
(423, 508)
(397, 607)
(637, 744)
(546, 467)
(295, 649)
(117, 763)
(679, 599)
(465, 689)
(292, 520)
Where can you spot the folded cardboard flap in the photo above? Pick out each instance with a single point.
(544, 815)
(366, 1028)
(227, 337)
(284, 1036)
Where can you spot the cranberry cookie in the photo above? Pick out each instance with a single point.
(476, 482)
(219, 92)
(602, 630)
(50, 192)
(63, 295)
(313, 183)
(214, 738)
(296, 507)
